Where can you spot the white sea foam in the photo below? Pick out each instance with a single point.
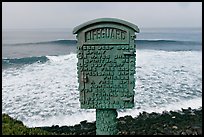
(175, 106)
(45, 94)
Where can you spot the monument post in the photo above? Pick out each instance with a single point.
(106, 53)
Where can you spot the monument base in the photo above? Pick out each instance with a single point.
(106, 122)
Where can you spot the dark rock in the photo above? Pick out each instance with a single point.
(189, 132)
(199, 131)
(122, 121)
(128, 118)
(83, 122)
(55, 126)
(132, 133)
(183, 133)
(144, 124)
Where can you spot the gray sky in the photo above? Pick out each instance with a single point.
(71, 14)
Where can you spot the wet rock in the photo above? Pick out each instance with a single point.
(175, 127)
(167, 123)
(189, 132)
(128, 118)
(132, 133)
(183, 133)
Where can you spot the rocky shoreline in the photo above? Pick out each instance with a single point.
(184, 122)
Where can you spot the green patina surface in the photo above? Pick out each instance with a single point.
(106, 54)
(106, 63)
(106, 122)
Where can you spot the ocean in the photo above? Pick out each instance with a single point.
(39, 74)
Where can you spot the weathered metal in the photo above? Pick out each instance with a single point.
(106, 53)
(106, 122)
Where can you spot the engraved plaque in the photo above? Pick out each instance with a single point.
(106, 53)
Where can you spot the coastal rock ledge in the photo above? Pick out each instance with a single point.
(184, 122)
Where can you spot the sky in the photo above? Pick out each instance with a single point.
(20, 15)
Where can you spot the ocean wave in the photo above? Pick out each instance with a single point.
(169, 45)
(139, 41)
(58, 42)
(22, 61)
(166, 41)
(6, 62)
(47, 94)
(61, 58)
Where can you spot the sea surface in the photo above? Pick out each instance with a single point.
(39, 74)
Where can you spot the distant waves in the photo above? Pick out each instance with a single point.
(22, 61)
(169, 45)
(149, 43)
(58, 42)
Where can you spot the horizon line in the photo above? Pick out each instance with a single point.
(72, 28)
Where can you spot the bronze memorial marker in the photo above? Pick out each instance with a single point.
(106, 67)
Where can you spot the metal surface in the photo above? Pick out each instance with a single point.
(106, 122)
(106, 53)
(106, 20)
(106, 64)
